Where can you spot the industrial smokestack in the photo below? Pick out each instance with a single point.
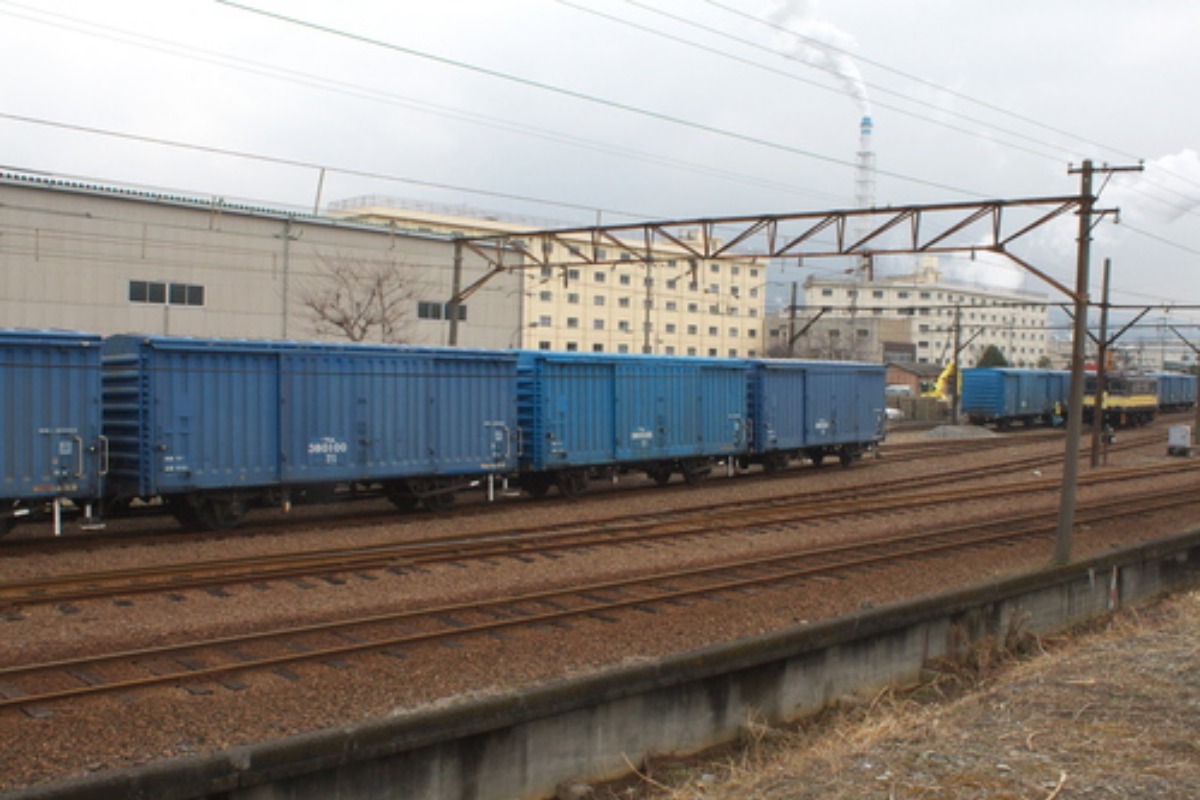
(864, 178)
(864, 190)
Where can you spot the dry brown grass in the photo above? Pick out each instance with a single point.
(1108, 712)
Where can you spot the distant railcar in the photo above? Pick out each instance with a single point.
(582, 414)
(815, 409)
(214, 427)
(1176, 391)
(1002, 396)
(51, 449)
(1128, 399)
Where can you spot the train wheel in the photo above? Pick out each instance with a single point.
(817, 457)
(404, 500)
(536, 485)
(571, 483)
(6, 525)
(659, 474)
(694, 472)
(185, 514)
(774, 462)
(220, 515)
(438, 499)
(845, 456)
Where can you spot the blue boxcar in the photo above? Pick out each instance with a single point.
(1002, 396)
(584, 412)
(215, 426)
(1176, 391)
(51, 446)
(815, 409)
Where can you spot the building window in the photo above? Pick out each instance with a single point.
(544, 321)
(623, 302)
(670, 350)
(428, 310)
(572, 322)
(545, 297)
(572, 274)
(672, 305)
(692, 330)
(598, 324)
(176, 294)
(573, 298)
(693, 307)
(670, 327)
(623, 325)
(598, 300)
(622, 348)
(713, 330)
(827, 293)
(572, 347)
(597, 348)
(691, 351)
(625, 280)
(599, 277)
(543, 345)
(877, 294)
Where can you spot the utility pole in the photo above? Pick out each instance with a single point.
(792, 324)
(456, 289)
(1066, 511)
(955, 362)
(286, 309)
(1101, 367)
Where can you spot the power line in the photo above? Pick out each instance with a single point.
(344, 88)
(587, 98)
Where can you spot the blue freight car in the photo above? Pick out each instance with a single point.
(815, 409)
(1176, 391)
(214, 427)
(51, 449)
(1001, 396)
(582, 414)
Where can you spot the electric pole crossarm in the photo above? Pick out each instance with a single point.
(1064, 208)
(958, 226)
(1026, 265)
(1112, 339)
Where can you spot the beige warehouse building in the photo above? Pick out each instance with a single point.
(110, 259)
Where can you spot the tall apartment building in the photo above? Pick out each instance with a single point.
(1013, 321)
(673, 306)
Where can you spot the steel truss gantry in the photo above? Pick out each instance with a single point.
(981, 226)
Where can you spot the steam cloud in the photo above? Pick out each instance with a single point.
(817, 46)
(1168, 188)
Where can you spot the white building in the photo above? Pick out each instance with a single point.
(670, 307)
(1014, 321)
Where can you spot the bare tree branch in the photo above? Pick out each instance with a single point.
(360, 299)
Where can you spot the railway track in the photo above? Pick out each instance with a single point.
(612, 531)
(202, 663)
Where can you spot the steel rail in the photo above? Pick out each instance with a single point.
(632, 529)
(848, 556)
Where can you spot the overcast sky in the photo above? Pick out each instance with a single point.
(578, 110)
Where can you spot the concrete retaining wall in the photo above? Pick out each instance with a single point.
(523, 744)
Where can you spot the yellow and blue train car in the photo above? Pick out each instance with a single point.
(1128, 400)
